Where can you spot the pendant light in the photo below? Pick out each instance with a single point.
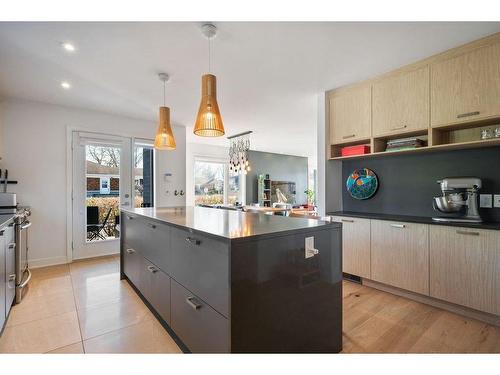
(238, 153)
(209, 121)
(164, 139)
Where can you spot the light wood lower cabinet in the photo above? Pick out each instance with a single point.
(355, 245)
(465, 267)
(400, 255)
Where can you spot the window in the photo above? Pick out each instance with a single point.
(143, 175)
(213, 184)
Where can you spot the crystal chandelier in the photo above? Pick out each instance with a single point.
(238, 153)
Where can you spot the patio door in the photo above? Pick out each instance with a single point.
(101, 183)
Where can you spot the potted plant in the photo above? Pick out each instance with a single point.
(310, 197)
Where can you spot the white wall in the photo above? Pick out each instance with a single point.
(35, 152)
(194, 150)
(322, 137)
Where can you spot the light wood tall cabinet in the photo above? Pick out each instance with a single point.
(465, 267)
(401, 103)
(355, 245)
(467, 87)
(400, 255)
(350, 114)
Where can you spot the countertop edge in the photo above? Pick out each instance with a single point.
(6, 219)
(323, 226)
(415, 219)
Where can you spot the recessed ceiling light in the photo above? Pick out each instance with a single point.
(65, 85)
(68, 47)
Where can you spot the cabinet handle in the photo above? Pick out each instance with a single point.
(1, 232)
(12, 277)
(130, 251)
(194, 241)
(129, 217)
(152, 269)
(399, 127)
(347, 220)
(468, 233)
(191, 301)
(152, 225)
(348, 136)
(12, 245)
(398, 225)
(468, 114)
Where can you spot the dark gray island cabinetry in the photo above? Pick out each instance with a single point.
(225, 281)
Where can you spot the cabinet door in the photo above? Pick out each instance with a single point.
(2, 278)
(401, 103)
(132, 264)
(155, 287)
(466, 88)
(200, 327)
(465, 267)
(10, 272)
(400, 255)
(355, 245)
(350, 115)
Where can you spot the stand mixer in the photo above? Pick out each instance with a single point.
(459, 198)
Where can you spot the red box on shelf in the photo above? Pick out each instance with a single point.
(355, 150)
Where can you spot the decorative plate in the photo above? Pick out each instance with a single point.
(362, 183)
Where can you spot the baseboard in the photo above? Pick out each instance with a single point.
(98, 254)
(448, 306)
(44, 262)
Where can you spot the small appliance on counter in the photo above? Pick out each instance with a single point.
(459, 200)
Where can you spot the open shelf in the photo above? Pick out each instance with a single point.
(335, 149)
(451, 137)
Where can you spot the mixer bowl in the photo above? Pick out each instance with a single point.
(448, 203)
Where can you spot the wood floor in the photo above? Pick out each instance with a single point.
(85, 308)
(380, 322)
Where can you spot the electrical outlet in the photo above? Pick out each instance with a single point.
(485, 200)
(496, 201)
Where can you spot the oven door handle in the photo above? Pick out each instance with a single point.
(26, 226)
(25, 282)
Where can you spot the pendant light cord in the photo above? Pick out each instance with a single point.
(164, 93)
(209, 55)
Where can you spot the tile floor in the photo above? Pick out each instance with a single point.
(85, 308)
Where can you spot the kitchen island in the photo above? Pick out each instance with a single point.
(224, 281)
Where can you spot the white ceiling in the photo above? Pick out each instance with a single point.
(268, 73)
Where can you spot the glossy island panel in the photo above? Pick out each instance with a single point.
(241, 285)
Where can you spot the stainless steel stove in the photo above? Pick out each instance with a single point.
(23, 273)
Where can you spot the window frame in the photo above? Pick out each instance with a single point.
(225, 163)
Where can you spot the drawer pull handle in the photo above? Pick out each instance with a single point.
(12, 245)
(347, 220)
(130, 251)
(468, 233)
(152, 269)
(129, 217)
(192, 240)
(468, 114)
(12, 277)
(399, 127)
(191, 301)
(152, 225)
(398, 225)
(349, 136)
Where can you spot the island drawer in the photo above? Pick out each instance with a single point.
(150, 238)
(132, 264)
(202, 265)
(155, 287)
(200, 327)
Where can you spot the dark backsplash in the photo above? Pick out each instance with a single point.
(407, 183)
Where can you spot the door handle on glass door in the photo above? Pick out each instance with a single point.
(125, 204)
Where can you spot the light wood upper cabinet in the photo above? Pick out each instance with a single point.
(400, 255)
(401, 103)
(466, 88)
(465, 267)
(355, 246)
(350, 114)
